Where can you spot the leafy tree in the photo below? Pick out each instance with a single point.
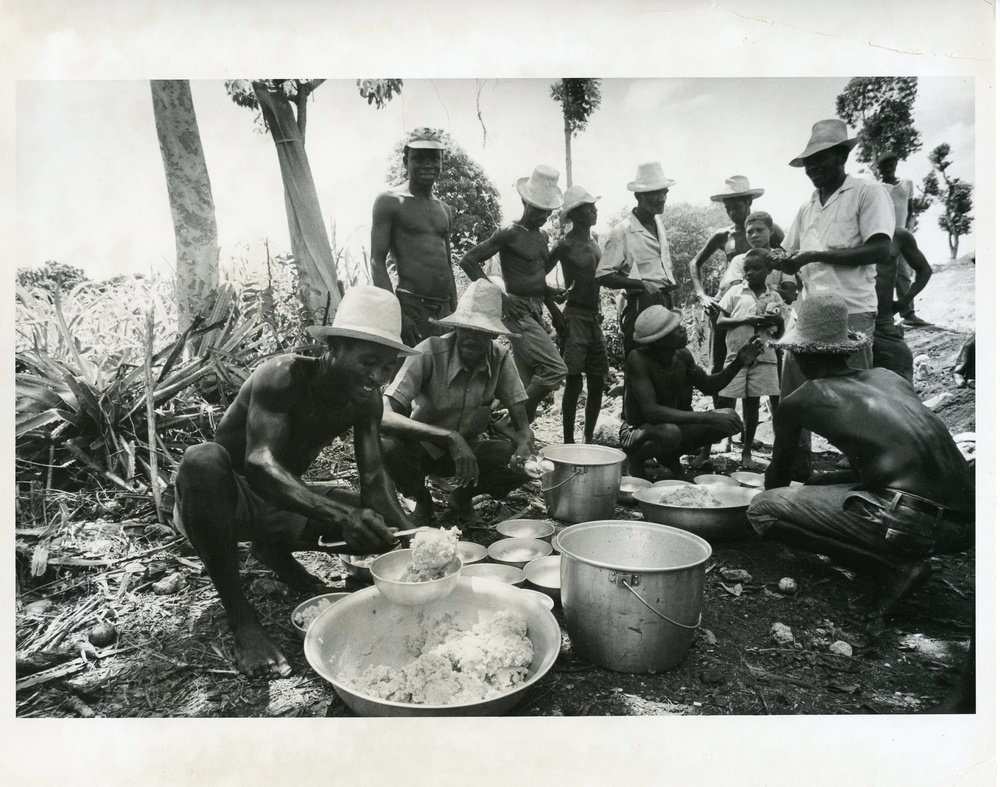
(473, 197)
(881, 108)
(579, 99)
(955, 197)
(280, 106)
(192, 208)
(51, 276)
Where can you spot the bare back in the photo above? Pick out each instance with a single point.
(890, 437)
(310, 424)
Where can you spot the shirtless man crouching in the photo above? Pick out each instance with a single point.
(414, 226)
(246, 485)
(908, 495)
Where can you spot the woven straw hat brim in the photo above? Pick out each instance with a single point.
(846, 347)
(484, 324)
(752, 193)
(323, 331)
(816, 147)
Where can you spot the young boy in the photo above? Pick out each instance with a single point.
(584, 351)
(752, 308)
(759, 227)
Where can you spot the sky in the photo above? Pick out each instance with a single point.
(91, 190)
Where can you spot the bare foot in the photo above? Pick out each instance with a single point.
(895, 587)
(746, 459)
(289, 570)
(256, 654)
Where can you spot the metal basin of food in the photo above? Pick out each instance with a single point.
(748, 479)
(716, 523)
(366, 629)
(469, 553)
(543, 575)
(303, 614)
(388, 569)
(495, 572)
(712, 478)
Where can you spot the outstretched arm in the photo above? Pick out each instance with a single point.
(377, 491)
(715, 243)
(713, 383)
(915, 258)
(383, 214)
(472, 262)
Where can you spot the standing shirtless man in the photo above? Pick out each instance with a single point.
(524, 262)
(413, 225)
(246, 485)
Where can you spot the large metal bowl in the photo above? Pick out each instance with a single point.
(388, 568)
(518, 552)
(366, 629)
(728, 521)
(526, 528)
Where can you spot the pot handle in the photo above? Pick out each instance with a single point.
(574, 474)
(681, 625)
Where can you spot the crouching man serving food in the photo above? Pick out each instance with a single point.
(246, 485)
(438, 407)
(908, 495)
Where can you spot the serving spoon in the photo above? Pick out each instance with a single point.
(398, 534)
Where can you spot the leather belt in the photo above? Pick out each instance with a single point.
(896, 499)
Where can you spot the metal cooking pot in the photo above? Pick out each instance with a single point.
(728, 521)
(583, 484)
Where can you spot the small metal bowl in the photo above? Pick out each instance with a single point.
(526, 528)
(541, 598)
(669, 482)
(543, 575)
(300, 623)
(629, 486)
(712, 478)
(469, 552)
(498, 572)
(518, 551)
(388, 568)
(748, 479)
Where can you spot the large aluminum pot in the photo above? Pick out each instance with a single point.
(632, 592)
(728, 521)
(368, 629)
(583, 484)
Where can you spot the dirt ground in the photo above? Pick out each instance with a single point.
(170, 654)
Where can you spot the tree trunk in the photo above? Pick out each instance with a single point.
(190, 193)
(569, 155)
(317, 270)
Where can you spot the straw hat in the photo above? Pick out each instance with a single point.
(368, 313)
(821, 327)
(540, 189)
(825, 134)
(650, 177)
(479, 309)
(655, 323)
(575, 197)
(737, 186)
(426, 138)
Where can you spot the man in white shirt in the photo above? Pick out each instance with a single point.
(834, 243)
(636, 258)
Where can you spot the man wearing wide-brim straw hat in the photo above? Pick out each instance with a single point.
(835, 241)
(636, 257)
(246, 485)
(414, 226)
(438, 406)
(908, 494)
(524, 262)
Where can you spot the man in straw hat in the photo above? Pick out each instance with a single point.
(246, 485)
(636, 257)
(438, 407)
(908, 494)
(524, 263)
(584, 351)
(414, 226)
(737, 198)
(834, 243)
(657, 418)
